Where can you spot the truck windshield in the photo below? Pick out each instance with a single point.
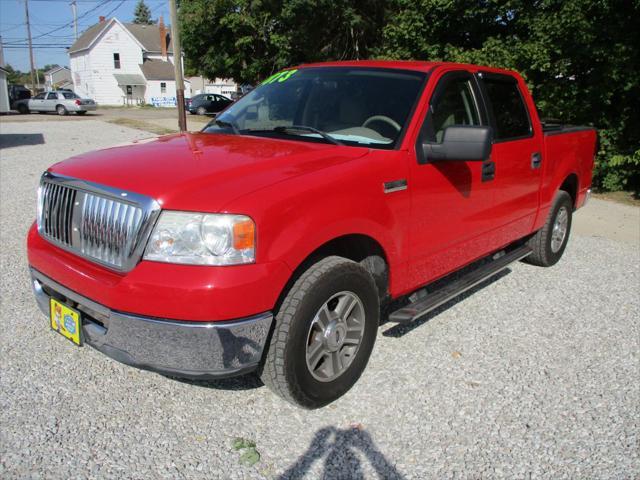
(346, 105)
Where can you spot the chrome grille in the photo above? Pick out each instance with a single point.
(57, 209)
(102, 224)
(108, 229)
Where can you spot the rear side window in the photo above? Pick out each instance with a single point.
(509, 111)
(69, 95)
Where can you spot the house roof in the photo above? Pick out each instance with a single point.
(147, 35)
(157, 70)
(129, 79)
(88, 36)
(55, 69)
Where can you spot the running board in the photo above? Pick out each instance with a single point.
(433, 300)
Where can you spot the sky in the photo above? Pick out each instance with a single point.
(52, 26)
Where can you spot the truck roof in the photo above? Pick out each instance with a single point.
(420, 66)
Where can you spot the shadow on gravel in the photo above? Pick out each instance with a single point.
(245, 382)
(342, 451)
(8, 140)
(398, 330)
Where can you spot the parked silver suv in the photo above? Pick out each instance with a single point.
(62, 102)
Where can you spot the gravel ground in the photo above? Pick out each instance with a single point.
(534, 374)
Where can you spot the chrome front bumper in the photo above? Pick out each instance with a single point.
(197, 350)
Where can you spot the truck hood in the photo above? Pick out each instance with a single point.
(203, 171)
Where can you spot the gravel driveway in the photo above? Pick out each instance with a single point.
(534, 374)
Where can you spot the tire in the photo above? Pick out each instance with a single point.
(61, 110)
(333, 282)
(546, 244)
(81, 112)
(201, 111)
(23, 109)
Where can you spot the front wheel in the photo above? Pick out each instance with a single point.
(61, 110)
(549, 243)
(324, 333)
(23, 109)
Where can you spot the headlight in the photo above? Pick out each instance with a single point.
(202, 239)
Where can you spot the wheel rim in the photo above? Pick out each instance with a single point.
(60, 110)
(335, 336)
(559, 232)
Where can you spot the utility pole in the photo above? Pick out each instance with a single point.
(75, 18)
(177, 65)
(26, 13)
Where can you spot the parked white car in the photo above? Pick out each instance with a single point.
(61, 102)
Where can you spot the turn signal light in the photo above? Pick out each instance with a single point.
(244, 235)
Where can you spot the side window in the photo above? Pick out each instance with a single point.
(163, 87)
(116, 61)
(52, 96)
(509, 111)
(453, 103)
(40, 96)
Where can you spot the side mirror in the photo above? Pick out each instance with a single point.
(460, 143)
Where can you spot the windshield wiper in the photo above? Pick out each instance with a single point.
(231, 125)
(299, 128)
(304, 128)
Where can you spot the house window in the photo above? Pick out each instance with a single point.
(116, 61)
(163, 87)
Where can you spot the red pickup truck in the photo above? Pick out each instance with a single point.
(274, 239)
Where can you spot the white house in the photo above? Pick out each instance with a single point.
(119, 63)
(221, 86)
(57, 77)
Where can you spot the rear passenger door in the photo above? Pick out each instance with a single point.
(517, 153)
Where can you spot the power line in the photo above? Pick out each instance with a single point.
(100, 5)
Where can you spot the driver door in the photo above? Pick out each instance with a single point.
(37, 103)
(49, 104)
(451, 200)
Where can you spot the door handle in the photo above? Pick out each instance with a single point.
(488, 171)
(536, 160)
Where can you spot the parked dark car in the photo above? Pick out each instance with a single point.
(204, 103)
(18, 92)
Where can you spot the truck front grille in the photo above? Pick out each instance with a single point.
(102, 224)
(57, 208)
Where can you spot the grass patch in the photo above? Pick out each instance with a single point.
(627, 198)
(249, 454)
(142, 125)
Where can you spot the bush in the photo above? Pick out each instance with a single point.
(616, 170)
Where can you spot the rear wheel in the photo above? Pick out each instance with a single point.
(324, 333)
(549, 243)
(201, 111)
(23, 109)
(61, 110)
(81, 112)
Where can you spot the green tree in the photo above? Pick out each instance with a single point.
(250, 39)
(142, 14)
(579, 58)
(13, 76)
